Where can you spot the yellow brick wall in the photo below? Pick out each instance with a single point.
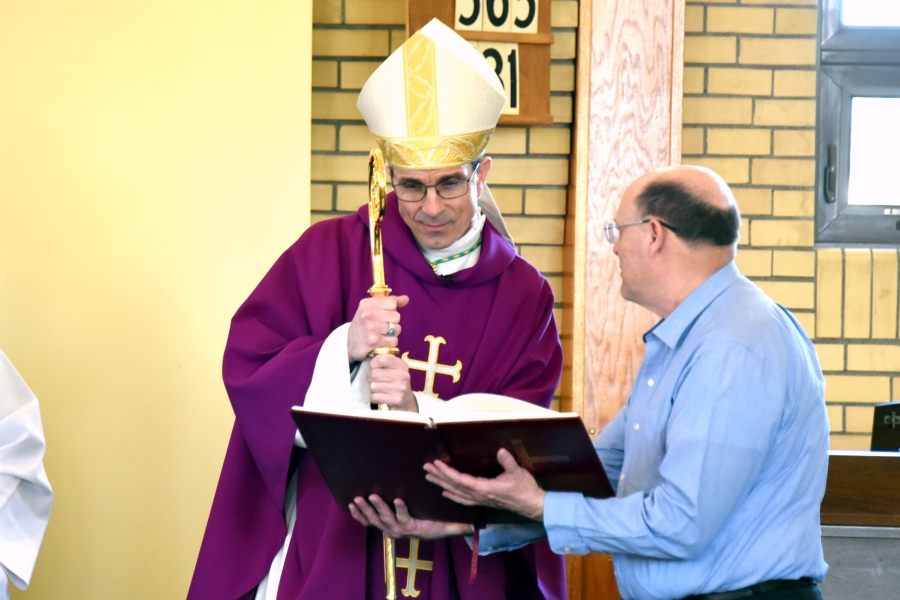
(749, 113)
(531, 164)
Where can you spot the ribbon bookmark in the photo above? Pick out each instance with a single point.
(473, 567)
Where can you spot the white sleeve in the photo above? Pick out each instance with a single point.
(428, 404)
(25, 493)
(335, 387)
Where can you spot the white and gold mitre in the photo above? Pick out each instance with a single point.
(434, 102)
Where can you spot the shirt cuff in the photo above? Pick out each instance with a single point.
(503, 538)
(560, 523)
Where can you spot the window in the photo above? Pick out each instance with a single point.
(858, 122)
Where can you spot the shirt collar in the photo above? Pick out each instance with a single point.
(670, 329)
(495, 256)
(466, 241)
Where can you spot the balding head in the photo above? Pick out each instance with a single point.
(694, 201)
(689, 230)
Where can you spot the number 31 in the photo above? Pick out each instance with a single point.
(507, 69)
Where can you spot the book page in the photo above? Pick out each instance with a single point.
(468, 407)
(387, 415)
(486, 407)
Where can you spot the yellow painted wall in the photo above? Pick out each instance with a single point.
(154, 161)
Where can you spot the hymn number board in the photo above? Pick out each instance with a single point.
(514, 36)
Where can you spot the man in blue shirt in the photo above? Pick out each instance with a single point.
(720, 456)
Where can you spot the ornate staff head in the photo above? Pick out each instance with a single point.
(376, 216)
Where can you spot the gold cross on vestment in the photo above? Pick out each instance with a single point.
(413, 564)
(431, 366)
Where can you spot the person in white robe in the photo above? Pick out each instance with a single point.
(25, 493)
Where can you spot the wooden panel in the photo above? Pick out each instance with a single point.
(862, 489)
(522, 38)
(591, 577)
(575, 241)
(422, 11)
(631, 131)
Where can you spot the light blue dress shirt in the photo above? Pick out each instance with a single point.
(719, 457)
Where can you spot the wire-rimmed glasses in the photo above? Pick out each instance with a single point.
(613, 231)
(447, 189)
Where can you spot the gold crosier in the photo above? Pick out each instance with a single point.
(379, 288)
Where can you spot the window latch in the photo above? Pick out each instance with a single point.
(831, 174)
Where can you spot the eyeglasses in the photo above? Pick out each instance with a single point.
(613, 232)
(447, 189)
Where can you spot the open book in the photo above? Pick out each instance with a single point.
(382, 452)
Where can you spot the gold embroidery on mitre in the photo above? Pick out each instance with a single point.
(434, 152)
(420, 82)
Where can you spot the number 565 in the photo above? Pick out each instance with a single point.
(518, 16)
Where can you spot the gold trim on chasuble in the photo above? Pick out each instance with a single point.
(431, 366)
(412, 564)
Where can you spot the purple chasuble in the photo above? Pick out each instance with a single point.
(495, 318)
